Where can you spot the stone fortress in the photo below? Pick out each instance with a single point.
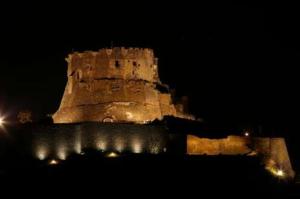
(110, 103)
(116, 85)
(121, 85)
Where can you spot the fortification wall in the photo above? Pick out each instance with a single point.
(275, 155)
(46, 142)
(117, 83)
(105, 91)
(232, 145)
(110, 112)
(273, 151)
(119, 63)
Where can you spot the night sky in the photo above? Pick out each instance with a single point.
(237, 62)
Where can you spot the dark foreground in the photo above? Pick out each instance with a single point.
(151, 176)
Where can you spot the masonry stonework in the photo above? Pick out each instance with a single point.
(273, 151)
(115, 85)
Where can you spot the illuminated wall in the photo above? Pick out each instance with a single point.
(231, 145)
(59, 141)
(273, 151)
(115, 85)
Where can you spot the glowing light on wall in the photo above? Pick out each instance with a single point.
(154, 149)
(280, 173)
(1, 121)
(119, 147)
(77, 147)
(119, 144)
(274, 169)
(276, 172)
(101, 145)
(77, 143)
(41, 152)
(136, 146)
(61, 153)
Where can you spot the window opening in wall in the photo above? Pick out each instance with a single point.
(117, 63)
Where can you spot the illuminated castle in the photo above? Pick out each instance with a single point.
(121, 86)
(110, 103)
(115, 85)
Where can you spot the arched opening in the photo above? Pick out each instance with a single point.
(108, 120)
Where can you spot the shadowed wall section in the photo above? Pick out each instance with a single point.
(61, 140)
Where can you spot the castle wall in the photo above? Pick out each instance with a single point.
(120, 63)
(110, 112)
(117, 83)
(273, 151)
(275, 154)
(60, 141)
(232, 145)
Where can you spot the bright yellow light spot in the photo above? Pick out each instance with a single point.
(53, 162)
(276, 172)
(112, 155)
(247, 134)
(279, 173)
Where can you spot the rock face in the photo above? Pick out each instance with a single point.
(115, 85)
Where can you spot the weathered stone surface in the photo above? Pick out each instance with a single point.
(232, 145)
(273, 151)
(116, 85)
(275, 155)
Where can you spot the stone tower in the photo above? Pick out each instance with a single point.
(115, 85)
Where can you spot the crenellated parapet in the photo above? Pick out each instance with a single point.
(119, 63)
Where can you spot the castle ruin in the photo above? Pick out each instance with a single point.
(121, 85)
(115, 85)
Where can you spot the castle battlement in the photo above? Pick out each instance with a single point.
(116, 53)
(119, 63)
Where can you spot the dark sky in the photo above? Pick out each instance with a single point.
(237, 62)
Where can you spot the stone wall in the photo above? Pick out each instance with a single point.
(62, 140)
(232, 145)
(118, 63)
(116, 85)
(273, 151)
(275, 154)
